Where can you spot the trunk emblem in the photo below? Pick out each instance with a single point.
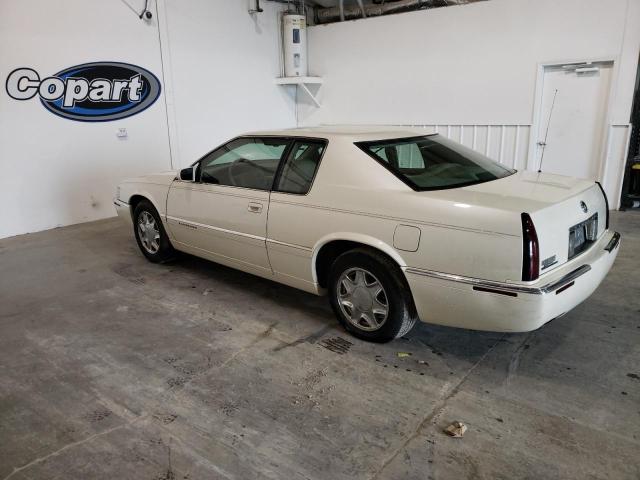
(583, 206)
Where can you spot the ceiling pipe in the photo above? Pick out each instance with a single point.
(341, 13)
(299, 5)
(258, 9)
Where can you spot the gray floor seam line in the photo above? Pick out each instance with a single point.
(435, 411)
(256, 340)
(68, 446)
(194, 452)
(514, 362)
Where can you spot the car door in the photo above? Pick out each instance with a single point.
(222, 215)
(291, 232)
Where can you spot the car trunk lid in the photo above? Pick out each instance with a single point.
(569, 214)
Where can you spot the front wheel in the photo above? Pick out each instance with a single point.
(150, 233)
(370, 297)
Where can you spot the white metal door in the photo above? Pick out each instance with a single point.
(576, 136)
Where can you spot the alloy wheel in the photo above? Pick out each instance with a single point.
(362, 299)
(148, 232)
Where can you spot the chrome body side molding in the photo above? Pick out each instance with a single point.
(565, 280)
(551, 287)
(196, 225)
(506, 287)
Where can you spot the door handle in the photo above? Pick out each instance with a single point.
(254, 207)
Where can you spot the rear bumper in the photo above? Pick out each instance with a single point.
(122, 209)
(478, 304)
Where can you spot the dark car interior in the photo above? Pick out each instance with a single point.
(296, 177)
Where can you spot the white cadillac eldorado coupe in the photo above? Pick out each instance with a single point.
(394, 225)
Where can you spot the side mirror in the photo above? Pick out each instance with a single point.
(188, 174)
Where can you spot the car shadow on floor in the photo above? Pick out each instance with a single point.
(467, 345)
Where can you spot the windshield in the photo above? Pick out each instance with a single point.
(433, 162)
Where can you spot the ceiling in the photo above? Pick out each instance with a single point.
(328, 11)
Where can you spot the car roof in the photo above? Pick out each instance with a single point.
(356, 133)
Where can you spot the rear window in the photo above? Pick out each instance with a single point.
(433, 162)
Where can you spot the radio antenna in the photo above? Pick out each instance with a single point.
(543, 144)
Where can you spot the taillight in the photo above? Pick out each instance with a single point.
(606, 204)
(530, 250)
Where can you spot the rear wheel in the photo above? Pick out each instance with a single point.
(370, 297)
(150, 233)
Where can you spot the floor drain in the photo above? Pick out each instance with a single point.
(336, 344)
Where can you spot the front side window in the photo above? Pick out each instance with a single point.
(433, 162)
(244, 162)
(300, 167)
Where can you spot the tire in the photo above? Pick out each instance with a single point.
(354, 279)
(160, 250)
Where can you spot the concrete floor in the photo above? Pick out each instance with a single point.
(112, 367)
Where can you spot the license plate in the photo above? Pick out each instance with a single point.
(582, 235)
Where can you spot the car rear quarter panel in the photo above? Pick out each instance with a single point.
(354, 198)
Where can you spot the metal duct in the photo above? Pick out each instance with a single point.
(341, 13)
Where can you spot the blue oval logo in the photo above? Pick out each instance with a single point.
(91, 92)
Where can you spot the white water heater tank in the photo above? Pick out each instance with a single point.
(294, 39)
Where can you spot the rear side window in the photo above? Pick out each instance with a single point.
(433, 162)
(300, 166)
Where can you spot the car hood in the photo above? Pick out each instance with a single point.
(161, 178)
